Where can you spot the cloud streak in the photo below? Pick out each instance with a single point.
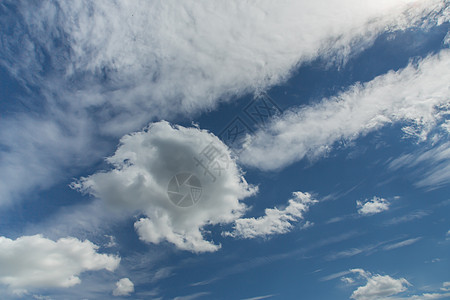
(275, 221)
(95, 69)
(416, 95)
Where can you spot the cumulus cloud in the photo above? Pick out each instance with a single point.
(124, 287)
(36, 262)
(161, 172)
(104, 69)
(378, 286)
(416, 96)
(372, 206)
(385, 287)
(275, 221)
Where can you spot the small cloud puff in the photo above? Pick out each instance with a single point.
(372, 206)
(124, 287)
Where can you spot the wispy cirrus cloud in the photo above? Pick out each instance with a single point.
(430, 166)
(416, 95)
(95, 70)
(415, 215)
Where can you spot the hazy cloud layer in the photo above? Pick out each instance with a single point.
(97, 68)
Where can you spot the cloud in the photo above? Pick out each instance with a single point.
(95, 70)
(415, 215)
(372, 206)
(416, 95)
(402, 244)
(427, 296)
(378, 286)
(36, 262)
(192, 296)
(385, 287)
(335, 275)
(124, 287)
(432, 165)
(151, 168)
(275, 221)
(112, 241)
(347, 280)
(259, 297)
(371, 248)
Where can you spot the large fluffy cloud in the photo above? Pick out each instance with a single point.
(275, 221)
(417, 96)
(36, 262)
(149, 173)
(102, 68)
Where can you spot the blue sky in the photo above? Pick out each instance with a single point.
(120, 176)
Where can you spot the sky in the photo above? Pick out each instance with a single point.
(225, 149)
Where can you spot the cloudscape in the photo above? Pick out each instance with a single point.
(225, 149)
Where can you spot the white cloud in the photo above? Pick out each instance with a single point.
(347, 280)
(145, 163)
(372, 206)
(259, 297)
(36, 262)
(192, 296)
(112, 241)
(384, 287)
(402, 244)
(432, 163)
(378, 286)
(416, 95)
(415, 215)
(275, 221)
(124, 287)
(427, 296)
(105, 69)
